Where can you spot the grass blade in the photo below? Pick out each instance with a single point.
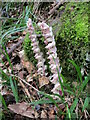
(86, 103)
(7, 56)
(73, 105)
(3, 102)
(77, 69)
(84, 83)
(13, 89)
(43, 101)
(68, 111)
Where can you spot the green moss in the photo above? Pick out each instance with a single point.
(28, 49)
(72, 38)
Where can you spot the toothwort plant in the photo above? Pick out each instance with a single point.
(51, 52)
(35, 47)
(52, 55)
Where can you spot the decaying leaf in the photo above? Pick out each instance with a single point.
(51, 113)
(20, 74)
(36, 114)
(21, 53)
(18, 67)
(27, 64)
(43, 114)
(23, 109)
(29, 78)
(43, 81)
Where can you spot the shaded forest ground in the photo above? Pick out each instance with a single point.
(19, 68)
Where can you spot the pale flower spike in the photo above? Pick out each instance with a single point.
(35, 47)
(52, 55)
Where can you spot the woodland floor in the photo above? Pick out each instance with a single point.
(24, 70)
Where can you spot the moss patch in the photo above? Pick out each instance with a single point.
(72, 38)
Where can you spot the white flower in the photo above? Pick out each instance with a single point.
(56, 88)
(33, 39)
(39, 57)
(36, 50)
(52, 52)
(50, 45)
(48, 35)
(32, 36)
(34, 43)
(53, 67)
(48, 39)
(34, 47)
(40, 64)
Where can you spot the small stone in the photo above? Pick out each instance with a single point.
(37, 107)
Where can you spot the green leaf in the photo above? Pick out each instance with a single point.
(13, 89)
(77, 69)
(43, 101)
(3, 75)
(53, 101)
(7, 56)
(86, 103)
(13, 30)
(68, 111)
(84, 83)
(73, 105)
(3, 101)
(70, 92)
(64, 80)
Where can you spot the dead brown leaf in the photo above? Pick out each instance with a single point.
(43, 114)
(29, 78)
(23, 109)
(27, 64)
(43, 81)
(51, 113)
(61, 106)
(20, 74)
(24, 32)
(18, 67)
(36, 114)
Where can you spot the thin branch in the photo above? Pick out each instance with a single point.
(25, 82)
(52, 10)
(31, 85)
(26, 90)
(13, 48)
(3, 57)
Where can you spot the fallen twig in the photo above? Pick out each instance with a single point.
(31, 85)
(53, 9)
(3, 57)
(25, 82)
(26, 90)
(12, 49)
